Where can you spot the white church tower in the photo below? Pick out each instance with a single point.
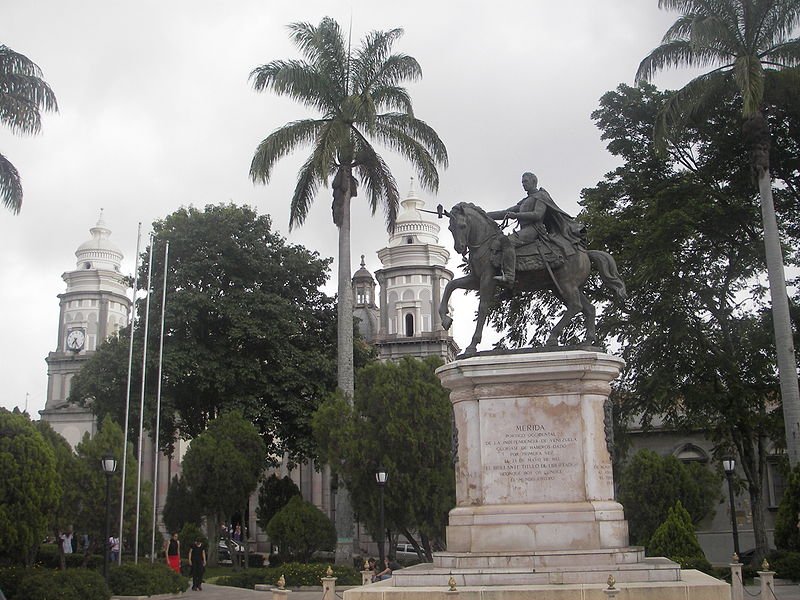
(94, 307)
(412, 280)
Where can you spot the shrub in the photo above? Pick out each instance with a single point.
(188, 535)
(72, 584)
(10, 578)
(256, 560)
(145, 580)
(785, 564)
(296, 575)
(650, 484)
(676, 539)
(48, 557)
(274, 494)
(300, 529)
(787, 535)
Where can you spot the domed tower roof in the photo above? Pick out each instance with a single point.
(363, 274)
(411, 226)
(99, 252)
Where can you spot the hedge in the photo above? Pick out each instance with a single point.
(296, 575)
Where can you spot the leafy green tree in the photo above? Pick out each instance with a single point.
(676, 539)
(245, 325)
(787, 533)
(91, 518)
(23, 96)
(273, 495)
(683, 227)
(222, 467)
(68, 479)
(181, 506)
(29, 490)
(651, 484)
(401, 419)
(746, 42)
(300, 529)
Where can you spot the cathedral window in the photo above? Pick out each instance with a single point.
(409, 325)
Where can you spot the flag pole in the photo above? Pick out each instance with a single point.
(158, 404)
(141, 403)
(128, 393)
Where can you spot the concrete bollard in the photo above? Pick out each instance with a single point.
(767, 581)
(366, 577)
(279, 594)
(737, 585)
(328, 588)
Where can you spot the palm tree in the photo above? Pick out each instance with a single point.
(348, 88)
(23, 93)
(745, 41)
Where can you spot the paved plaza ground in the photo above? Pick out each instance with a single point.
(218, 592)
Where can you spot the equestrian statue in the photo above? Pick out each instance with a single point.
(546, 252)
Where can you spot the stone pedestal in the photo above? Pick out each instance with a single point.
(535, 506)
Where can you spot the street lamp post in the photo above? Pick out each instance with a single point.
(109, 466)
(729, 466)
(380, 477)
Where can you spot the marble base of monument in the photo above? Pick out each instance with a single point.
(535, 506)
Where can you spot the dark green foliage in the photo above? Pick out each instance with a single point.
(300, 529)
(785, 564)
(296, 574)
(651, 484)
(189, 533)
(273, 495)
(91, 517)
(49, 557)
(72, 584)
(10, 578)
(686, 232)
(787, 534)
(401, 419)
(145, 580)
(247, 325)
(221, 468)
(29, 492)
(676, 539)
(181, 506)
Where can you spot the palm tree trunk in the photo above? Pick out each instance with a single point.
(344, 363)
(787, 365)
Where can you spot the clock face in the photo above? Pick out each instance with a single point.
(76, 339)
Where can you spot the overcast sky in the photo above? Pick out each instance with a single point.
(156, 113)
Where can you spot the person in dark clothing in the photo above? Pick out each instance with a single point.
(197, 564)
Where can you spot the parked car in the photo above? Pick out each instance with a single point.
(224, 553)
(405, 551)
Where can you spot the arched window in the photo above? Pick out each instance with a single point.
(409, 325)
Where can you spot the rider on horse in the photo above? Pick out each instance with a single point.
(546, 235)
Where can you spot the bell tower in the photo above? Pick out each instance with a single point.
(94, 307)
(412, 280)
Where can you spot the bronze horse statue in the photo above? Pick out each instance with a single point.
(476, 234)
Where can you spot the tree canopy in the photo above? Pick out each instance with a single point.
(222, 467)
(651, 484)
(401, 419)
(29, 491)
(684, 227)
(24, 95)
(743, 44)
(247, 327)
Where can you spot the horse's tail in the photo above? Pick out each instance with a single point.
(608, 271)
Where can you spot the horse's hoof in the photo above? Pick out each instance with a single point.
(447, 322)
(470, 351)
(551, 342)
